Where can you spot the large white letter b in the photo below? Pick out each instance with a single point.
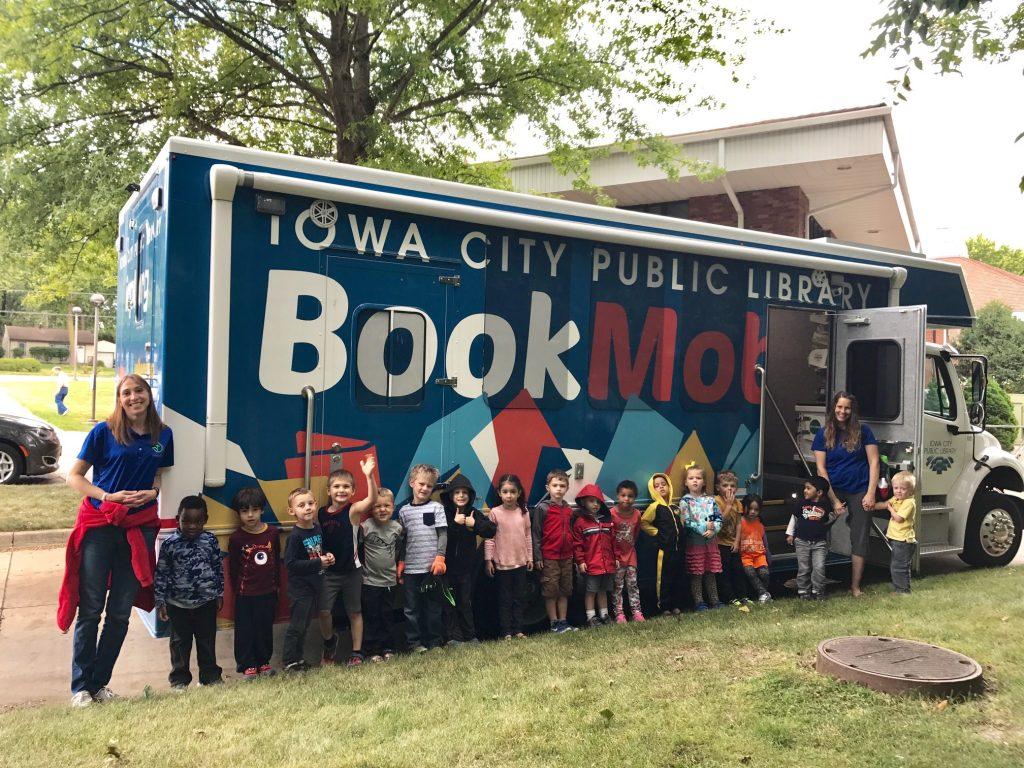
(283, 329)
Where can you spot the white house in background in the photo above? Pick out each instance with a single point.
(23, 338)
(833, 174)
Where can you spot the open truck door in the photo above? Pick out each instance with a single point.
(878, 355)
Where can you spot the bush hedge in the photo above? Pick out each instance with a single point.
(22, 365)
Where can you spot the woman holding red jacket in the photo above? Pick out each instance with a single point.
(110, 555)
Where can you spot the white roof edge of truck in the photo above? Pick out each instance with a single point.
(473, 195)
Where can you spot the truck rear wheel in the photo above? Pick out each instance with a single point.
(993, 532)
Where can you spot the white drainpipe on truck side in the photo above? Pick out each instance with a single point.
(224, 179)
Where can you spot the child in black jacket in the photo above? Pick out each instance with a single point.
(807, 531)
(465, 524)
(661, 520)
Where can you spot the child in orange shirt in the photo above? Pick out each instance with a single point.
(751, 543)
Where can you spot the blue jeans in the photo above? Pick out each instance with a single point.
(105, 556)
(58, 399)
(422, 613)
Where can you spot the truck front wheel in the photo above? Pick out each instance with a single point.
(994, 529)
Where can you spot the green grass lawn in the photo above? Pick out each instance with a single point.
(37, 396)
(718, 689)
(33, 505)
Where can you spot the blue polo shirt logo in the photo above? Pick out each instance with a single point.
(158, 448)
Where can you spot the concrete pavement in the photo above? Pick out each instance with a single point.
(35, 658)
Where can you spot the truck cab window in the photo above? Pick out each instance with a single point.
(874, 374)
(937, 388)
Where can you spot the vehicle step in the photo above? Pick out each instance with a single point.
(935, 509)
(937, 548)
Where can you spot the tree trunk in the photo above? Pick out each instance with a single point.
(349, 89)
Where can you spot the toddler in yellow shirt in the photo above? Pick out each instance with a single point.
(902, 508)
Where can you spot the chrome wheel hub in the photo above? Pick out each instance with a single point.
(997, 532)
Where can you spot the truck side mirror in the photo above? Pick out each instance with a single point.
(979, 383)
(977, 413)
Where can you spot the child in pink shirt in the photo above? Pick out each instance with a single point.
(509, 555)
(627, 527)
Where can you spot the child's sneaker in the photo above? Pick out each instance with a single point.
(355, 659)
(295, 667)
(81, 699)
(736, 602)
(593, 622)
(267, 670)
(820, 596)
(765, 598)
(701, 607)
(104, 695)
(620, 618)
(637, 616)
(561, 627)
(388, 655)
(376, 659)
(330, 650)
(806, 596)
(251, 673)
(420, 649)
(747, 601)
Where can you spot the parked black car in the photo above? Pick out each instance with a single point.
(27, 447)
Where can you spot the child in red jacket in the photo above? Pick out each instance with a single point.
(593, 548)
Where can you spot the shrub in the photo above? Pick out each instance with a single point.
(18, 352)
(25, 365)
(49, 354)
(1000, 411)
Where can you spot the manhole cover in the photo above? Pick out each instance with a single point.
(892, 665)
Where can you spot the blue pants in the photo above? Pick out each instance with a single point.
(422, 613)
(105, 556)
(59, 400)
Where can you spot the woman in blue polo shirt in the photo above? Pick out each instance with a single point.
(846, 454)
(110, 543)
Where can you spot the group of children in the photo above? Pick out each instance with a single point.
(363, 551)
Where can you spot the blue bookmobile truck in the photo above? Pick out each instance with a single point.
(294, 315)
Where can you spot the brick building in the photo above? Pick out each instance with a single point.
(833, 174)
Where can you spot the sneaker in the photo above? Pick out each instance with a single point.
(179, 688)
(376, 659)
(104, 695)
(560, 627)
(701, 607)
(519, 636)
(593, 621)
(637, 616)
(820, 596)
(765, 598)
(806, 596)
(747, 601)
(388, 655)
(675, 612)
(267, 670)
(81, 699)
(218, 681)
(620, 618)
(454, 643)
(354, 659)
(736, 602)
(251, 673)
(507, 637)
(330, 650)
(295, 667)
(605, 619)
(420, 649)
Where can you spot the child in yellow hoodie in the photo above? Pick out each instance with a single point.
(661, 520)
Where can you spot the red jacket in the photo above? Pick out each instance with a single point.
(552, 535)
(593, 544)
(143, 557)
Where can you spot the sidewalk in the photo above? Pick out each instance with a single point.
(35, 658)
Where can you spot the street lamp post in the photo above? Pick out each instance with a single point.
(97, 301)
(77, 312)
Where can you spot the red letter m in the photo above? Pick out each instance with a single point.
(611, 333)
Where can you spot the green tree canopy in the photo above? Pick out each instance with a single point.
(998, 335)
(1002, 256)
(90, 90)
